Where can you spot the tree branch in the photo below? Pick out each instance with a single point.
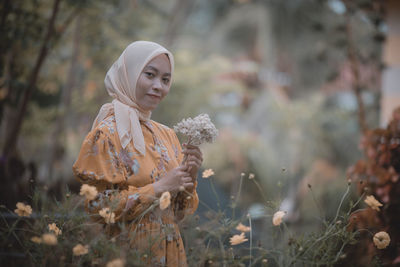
(11, 139)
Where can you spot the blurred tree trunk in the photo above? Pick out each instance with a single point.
(180, 13)
(12, 136)
(9, 47)
(58, 139)
(6, 8)
(390, 96)
(355, 68)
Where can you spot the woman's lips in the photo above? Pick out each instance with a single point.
(154, 96)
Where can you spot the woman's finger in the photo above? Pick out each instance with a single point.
(188, 185)
(182, 174)
(191, 146)
(182, 168)
(194, 165)
(186, 179)
(196, 161)
(195, 152)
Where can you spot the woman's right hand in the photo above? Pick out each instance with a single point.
(173, 180)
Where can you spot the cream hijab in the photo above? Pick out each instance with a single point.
(120, 83)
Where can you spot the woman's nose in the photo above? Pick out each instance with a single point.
(157, 84)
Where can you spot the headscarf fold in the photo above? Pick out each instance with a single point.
(120, 82)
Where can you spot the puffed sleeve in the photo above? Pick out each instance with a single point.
(99, 164)
(185, 202)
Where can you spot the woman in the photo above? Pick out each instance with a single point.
(132, 160)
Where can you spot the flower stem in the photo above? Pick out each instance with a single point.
(185, 157)
(237, 197)
(261, 190)
(251, 238)
(221, 245)
(215, 193)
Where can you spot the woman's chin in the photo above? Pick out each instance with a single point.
(149, 107)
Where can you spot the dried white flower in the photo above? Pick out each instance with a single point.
(165, 200)
(49, 239)
(207, 173)
(238, 239)
(53, 227)
(23, 210)
(116, 263)
(243, 228)
(199, 130)
(80, 250)
(381, 240)
(278, 216)
(90, 192)
(373, 203)
(108, 215)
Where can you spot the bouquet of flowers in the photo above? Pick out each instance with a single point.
(198, 130)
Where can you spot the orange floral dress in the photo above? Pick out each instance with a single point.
(122, 175)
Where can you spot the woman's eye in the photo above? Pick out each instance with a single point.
(149, 74)
(166, 80)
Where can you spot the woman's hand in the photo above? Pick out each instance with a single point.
(194, 159)
(174, 180)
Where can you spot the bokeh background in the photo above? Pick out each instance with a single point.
(291, 86)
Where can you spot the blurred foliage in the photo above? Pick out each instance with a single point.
(378, 175)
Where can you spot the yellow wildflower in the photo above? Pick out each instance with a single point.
(109, 217)
(36, 239)
(373, 203)
(243, 228)
(49, 239)
(90, 192)
(278, 216)
(237, 239)
(165, 200)
(23, 210)
(53, 227)
(207, 173)
(381, 240)
(80, 250)
(116, 263)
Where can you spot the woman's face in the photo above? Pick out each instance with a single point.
(153, 83)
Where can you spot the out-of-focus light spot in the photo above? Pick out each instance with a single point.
(257, 211)
(383, 28)
(337, 6)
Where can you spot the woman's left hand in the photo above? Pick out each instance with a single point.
(194, 159)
